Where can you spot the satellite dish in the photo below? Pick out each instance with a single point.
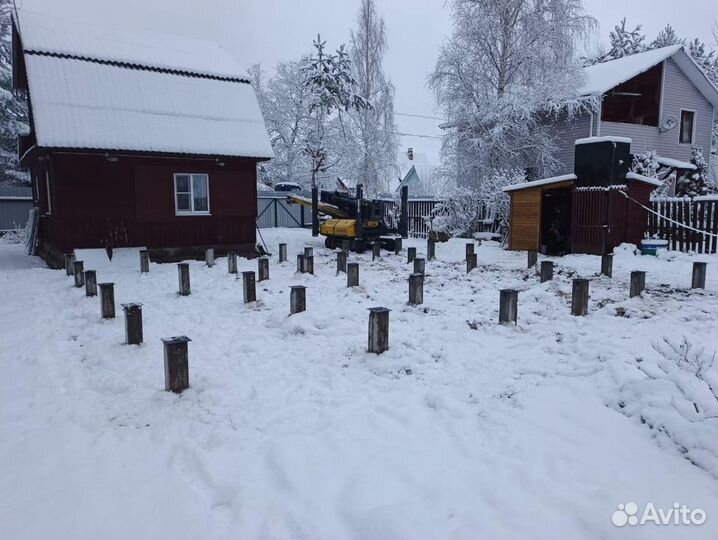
(668, 123)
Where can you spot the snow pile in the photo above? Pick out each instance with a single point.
(463, 429)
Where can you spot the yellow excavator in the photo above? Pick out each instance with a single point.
(353, 222)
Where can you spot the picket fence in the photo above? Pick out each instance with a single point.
(699, 213)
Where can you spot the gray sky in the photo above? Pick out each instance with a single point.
(268, 31)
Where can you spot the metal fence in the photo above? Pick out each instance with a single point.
(273, 210)
(15, 204)
(699, 213)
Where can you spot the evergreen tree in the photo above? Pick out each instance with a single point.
(666, 38)
(13, 105)
(624, 42)
(706, 59)
(330, 80)
(695, 182)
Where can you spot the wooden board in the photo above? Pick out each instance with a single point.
(525, 219)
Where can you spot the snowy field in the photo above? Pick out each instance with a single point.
(464, 429)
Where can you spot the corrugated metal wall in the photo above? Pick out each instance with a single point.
(15, 203)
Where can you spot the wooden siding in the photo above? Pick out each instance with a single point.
(525, 219)
(566, 134)
(130, 202)
(678, 93)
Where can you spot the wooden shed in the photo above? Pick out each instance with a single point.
(137, 140)
(591, 211)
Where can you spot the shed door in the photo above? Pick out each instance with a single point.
(525, 219)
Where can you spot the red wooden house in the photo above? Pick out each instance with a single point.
(137, 140)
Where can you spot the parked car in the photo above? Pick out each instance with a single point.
(287, 186)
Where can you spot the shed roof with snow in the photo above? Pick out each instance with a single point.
(600, 78)
(110, 89)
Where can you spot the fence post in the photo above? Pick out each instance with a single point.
(607, 265)
(90, 283)
(430, 248)
(144, 261)
(546, 271)
(638, 283)
(282, 253)
(209, 257)
(133, 323)
(78, 271)
(471, 262)
(262, 268)
(107, 300)
(249, 287)
(297, 299)
(183, 277)
(353, 275)
(508, 306)
(69, 259)
(378, 329)
(404, 215)
(176, 364)
(416, 289)
(308, 252)
(397, 246)
(341, 261)
(375, 251)
(532, 258)
(410, 254)
(579, 297)
(699, 275)
(232, 262)
(419, 266)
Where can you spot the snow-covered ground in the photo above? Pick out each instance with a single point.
(463, 429)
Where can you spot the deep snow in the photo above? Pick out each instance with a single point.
(463, 429)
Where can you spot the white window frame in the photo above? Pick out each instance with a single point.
(680, 126)
(192, 211)
(48, 194)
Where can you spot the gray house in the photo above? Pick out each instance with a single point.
(660, 99)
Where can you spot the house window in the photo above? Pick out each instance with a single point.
(191, 193)
(636, 101)
(687, 127)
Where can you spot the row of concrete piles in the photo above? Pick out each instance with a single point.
(176, 349)
(508, 298)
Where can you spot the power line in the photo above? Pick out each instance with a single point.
(416, 135)
(421, 116)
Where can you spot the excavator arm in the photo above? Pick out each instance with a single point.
(324, 208)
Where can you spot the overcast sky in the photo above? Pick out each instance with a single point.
(267, 31)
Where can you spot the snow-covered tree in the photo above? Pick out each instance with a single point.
(285, 102)
(666, 37)
(373, 127)
(13, 106)
(695, 182)
(705, 58)
(506, 72)
(624, 42)
(331, 84)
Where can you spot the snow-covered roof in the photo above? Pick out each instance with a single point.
(607, 138)
(675, 163)
(646, 179)
(600, 78)
(92, 103)
(42, 33)
(542, 182)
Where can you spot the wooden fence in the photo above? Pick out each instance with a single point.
(699, 213)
